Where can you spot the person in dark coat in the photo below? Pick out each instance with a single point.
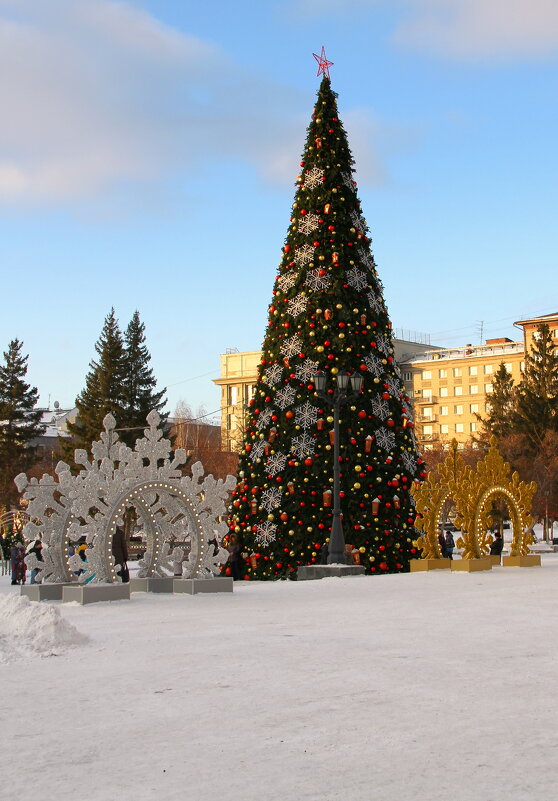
(235, 560)
(442, 544)
(17, 563)
(497, 544)
(450, 544)
(120, 553)
(14, 558)
(35, 547)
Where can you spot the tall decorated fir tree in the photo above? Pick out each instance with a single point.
(327, 314)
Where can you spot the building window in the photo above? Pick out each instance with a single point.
(427, 431)
(488, 388)
(427, 412)
(472, 427)
(473, 389)
(458, 409)
(508, 366)
(522, 366)
(474, 408)
(456, 372)
(444, 410)
(458, 390)
(444, 428)
(488, 369)
(407, 376)
(426, 374)
(233, 396)
(473, 370)
(442, 373)
(444, 392)
(427, 394)
(459, 428)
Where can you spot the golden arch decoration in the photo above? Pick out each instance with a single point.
(432, 496)
(493, 480)
(472, 491)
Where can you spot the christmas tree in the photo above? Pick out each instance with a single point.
(327, 315)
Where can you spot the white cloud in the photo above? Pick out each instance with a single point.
(486, 28)
(460, 29)
(97, 94)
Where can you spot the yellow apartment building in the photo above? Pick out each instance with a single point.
(448, 386)
(239, 373)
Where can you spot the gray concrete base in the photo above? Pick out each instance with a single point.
(194, 586)
(309, 572)
(43, 592)
(92, 593)
(151, 584)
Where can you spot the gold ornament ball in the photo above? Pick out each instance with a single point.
(334, 370)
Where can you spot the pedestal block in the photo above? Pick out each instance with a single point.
(195, 586)
(420, 565)
(92, 593)
(496, 560)
(531, 560)
(471, 565)
(311, 572)
(43, 592)
(151, 584)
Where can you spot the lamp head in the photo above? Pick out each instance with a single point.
(356, 382)
(342, 381)
(320, 381)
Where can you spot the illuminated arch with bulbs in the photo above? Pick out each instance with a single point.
(92, 504)
(493, 480)
(472, 492)
(432, 497)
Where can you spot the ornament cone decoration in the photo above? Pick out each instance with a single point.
(327, 314)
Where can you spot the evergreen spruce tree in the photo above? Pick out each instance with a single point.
(104, 389)
(499, 420)
(139, 385)
(19, 420)
(537, 394)
(327, 314)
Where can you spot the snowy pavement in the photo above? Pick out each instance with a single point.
(423, 687)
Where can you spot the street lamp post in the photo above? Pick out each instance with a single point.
(347, 388)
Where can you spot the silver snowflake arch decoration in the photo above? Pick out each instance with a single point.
(169, 506)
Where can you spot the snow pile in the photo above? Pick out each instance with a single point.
(30, 628)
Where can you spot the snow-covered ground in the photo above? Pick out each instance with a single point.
(423, 687)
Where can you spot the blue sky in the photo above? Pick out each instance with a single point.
(148, 153)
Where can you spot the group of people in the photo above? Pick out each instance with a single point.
(18, 565)
(447, 544)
